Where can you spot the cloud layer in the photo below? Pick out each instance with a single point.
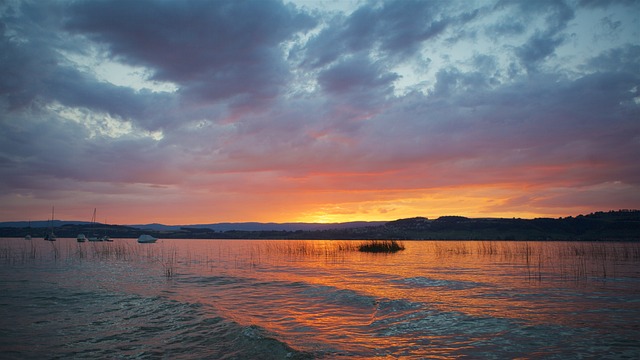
(200, 111)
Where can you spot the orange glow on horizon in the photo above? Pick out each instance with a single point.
(283, 205)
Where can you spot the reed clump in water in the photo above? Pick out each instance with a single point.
(381, 246)
(169, 260)
(106, 251)
(577, 260)
(329, 248)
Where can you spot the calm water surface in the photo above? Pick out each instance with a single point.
(237, 299)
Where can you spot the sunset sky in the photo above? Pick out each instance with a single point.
(185, 112)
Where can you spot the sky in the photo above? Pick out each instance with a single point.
(186, 112)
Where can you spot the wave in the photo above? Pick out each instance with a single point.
(88, 325)
(421, 282)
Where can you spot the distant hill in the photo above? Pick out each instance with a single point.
(612, 225)
(40, 223)
(622, 225)
(244, 226)
(257, 226)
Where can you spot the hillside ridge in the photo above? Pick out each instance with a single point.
(621, 225)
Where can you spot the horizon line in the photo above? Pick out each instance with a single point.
(329, 223)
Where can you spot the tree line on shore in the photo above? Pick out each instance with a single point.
(622, 225)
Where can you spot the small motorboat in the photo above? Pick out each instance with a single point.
(81, 238)
(95, 238)
(146, 239)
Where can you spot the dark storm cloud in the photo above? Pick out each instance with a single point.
(18, 84)
(556, 13)
(606, 3)
(452, 81)
(355, 74)
(212, 49)
(544, 41)
(506, 26)
(398, 26)
(537, 49)
(27, 60)
(621, 60)
(395, 29)
(36, 74)
(72, 88)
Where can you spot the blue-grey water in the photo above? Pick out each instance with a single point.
(241, 299)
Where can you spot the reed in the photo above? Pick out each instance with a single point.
(381, 246)
(579, 261)
(80, 251)
(30, 251)
(6, 254)
(303, 248)
(329, 249)
(56, 250)
(22, 254)
(101, 251)
(168, 260)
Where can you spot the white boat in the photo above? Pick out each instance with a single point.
(28, 236)
(81, 238)
(51, 236)
(146, 239)
(96, 237)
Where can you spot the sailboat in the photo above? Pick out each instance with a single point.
(51, 236)
(96, 237)
(28, 236)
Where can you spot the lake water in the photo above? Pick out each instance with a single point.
(237, 299)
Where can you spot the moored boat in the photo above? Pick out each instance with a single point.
(81, 238)
(96, 237)
(51, 236)
(146, 239)
(28, 236)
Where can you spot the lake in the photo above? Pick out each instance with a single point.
(265, 299)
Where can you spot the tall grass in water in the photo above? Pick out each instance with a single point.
(578, 261)
(166, 257)
(381, 246)
(31, 254)
(168, 261)
(112, 251)
(80, 251)
(328, 248)
(18, 255)
(56, 251)
(538, 261)
(121, 251)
